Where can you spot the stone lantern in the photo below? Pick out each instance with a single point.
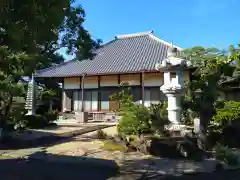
(172, 68)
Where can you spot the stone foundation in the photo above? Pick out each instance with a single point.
(179, 129)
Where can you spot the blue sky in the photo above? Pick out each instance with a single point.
(184, 22)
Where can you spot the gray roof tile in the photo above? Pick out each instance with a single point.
(130, 53)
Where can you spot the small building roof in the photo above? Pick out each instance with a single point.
(129, 53)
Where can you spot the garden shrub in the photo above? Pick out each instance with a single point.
(36, 121)
(51, 116)
(136, 118)
(16, 118)
(226, 155)
(40, 121)
(158, 117)
(188, 111)
(227, 114)
(226, 124)
(135, 121)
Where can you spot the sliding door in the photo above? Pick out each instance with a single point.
(91, 100)
(147, 95)
(105, 100)
(153, 96)
(75, 100)
(106, 103)
(94, 100)
(87, 101)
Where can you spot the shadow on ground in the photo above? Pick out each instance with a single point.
(57, 167)
(157, 168)
(42, 166)
(47, 139)
(223, 175)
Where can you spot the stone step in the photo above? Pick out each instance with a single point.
(67, 121)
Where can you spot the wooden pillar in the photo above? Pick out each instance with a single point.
(63, 96)
(99, 94)
(82, 94)
(119, 82)
(80, 82)
(142, 87)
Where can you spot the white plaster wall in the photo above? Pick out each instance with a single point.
(91, 82)
(106, 81)
(90, 86)
(71, 83)
(153, 82)
(71, 86)
(131, 79)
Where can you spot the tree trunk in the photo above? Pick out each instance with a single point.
(205, 117)
(8, 107)
(4, 117)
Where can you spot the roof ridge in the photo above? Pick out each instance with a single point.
(165, 42)
(133, 35)
(147, 33)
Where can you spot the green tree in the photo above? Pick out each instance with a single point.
(210, 65)
(31, 31)
(232, 80)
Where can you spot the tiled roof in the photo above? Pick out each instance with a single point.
(126, 53)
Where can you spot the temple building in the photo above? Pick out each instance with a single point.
(131, 58)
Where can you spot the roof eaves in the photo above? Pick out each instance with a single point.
(54, 66)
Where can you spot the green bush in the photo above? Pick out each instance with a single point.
(227, 114)
(158, 117)
(135, 121)
(226, 155)
(138, 119)
(36, 121)
(16, 118)
(40, 121)
(51, 116)
(188, 112)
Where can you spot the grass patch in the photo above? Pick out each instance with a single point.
(112, 146)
